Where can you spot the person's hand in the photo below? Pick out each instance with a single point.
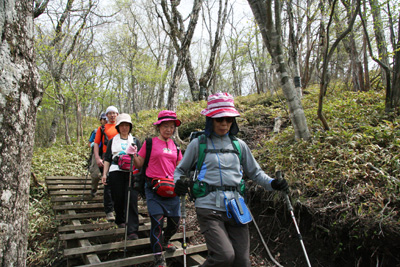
(280, 184)
(104, 180)
(131, 150)
(92, 144)
(99, 163)
(181, 187)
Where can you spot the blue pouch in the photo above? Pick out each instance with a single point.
(239, 210)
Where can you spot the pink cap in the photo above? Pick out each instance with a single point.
(167, 115)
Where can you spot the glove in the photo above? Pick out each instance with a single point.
(181, 187)
(131, 150)
(280, 184)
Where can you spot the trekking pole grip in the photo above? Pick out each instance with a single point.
(278, 175)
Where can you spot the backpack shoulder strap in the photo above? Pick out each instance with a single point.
(177, 150)
(202, 147)
(236, 146)
(149, 144)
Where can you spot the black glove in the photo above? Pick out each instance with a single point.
(280, 184)
(181, 187)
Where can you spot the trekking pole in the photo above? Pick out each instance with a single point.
(290, 208)
(263, 241)
(87, 175)
(127, 205)
(183, 215)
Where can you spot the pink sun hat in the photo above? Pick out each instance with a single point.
(220, 105)
(167, 115)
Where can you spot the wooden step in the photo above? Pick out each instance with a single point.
(117, 245)
(118, 231)
(131, 261)
(88, 215)
(89, 226)
(73, 186)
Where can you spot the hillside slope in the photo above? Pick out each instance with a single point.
(344, 182)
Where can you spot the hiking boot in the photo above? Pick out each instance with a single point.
(159, 261)
(110, 217)
(169, 247)
(93, 193)
(133, 236)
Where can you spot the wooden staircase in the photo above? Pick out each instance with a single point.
(89, 240)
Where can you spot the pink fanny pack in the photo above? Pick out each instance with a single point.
(124, 162)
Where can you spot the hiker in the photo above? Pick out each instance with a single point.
(117, 177)
(94, 170)
(164, 156)
(103, 121)
(103, 134)
(217, 185)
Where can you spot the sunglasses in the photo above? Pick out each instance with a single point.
(227, 119)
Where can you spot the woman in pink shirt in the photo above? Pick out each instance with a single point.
(164, 158)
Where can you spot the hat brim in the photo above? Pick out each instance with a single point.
(177, 122)
(220, 112)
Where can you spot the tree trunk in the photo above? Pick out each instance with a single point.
(293, 50)
(20, 96)
(66, 122)
(396, 73)
(183, 49)
(380, 39)
(191, 77)
(271, 33)
(54, 127)
(79, 129)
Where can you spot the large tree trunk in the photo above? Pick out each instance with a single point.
(380, 40)
(20, 95)
(270, 31)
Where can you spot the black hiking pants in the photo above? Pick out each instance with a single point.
(118, 181)
(107, 198)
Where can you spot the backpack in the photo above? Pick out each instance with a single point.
(163, 187)
(201, 189)
(102, 131)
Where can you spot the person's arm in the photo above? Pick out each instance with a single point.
(105, 171)
(138, 161)
(107, 162)
(252, 169)
(99, 161)
(97, 141)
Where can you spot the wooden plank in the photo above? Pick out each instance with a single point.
(69, 186)
(85, 215)
(88, 215)
(98, 198)
(89, 226)
(197, 258)
(70, 192)
(78, 206)
(90, 258)
(88, 206)
(66, 178)
(56, 182)
(131, 261)
(117, 245)
(101, 233)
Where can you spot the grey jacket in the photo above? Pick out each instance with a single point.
(221, 169)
